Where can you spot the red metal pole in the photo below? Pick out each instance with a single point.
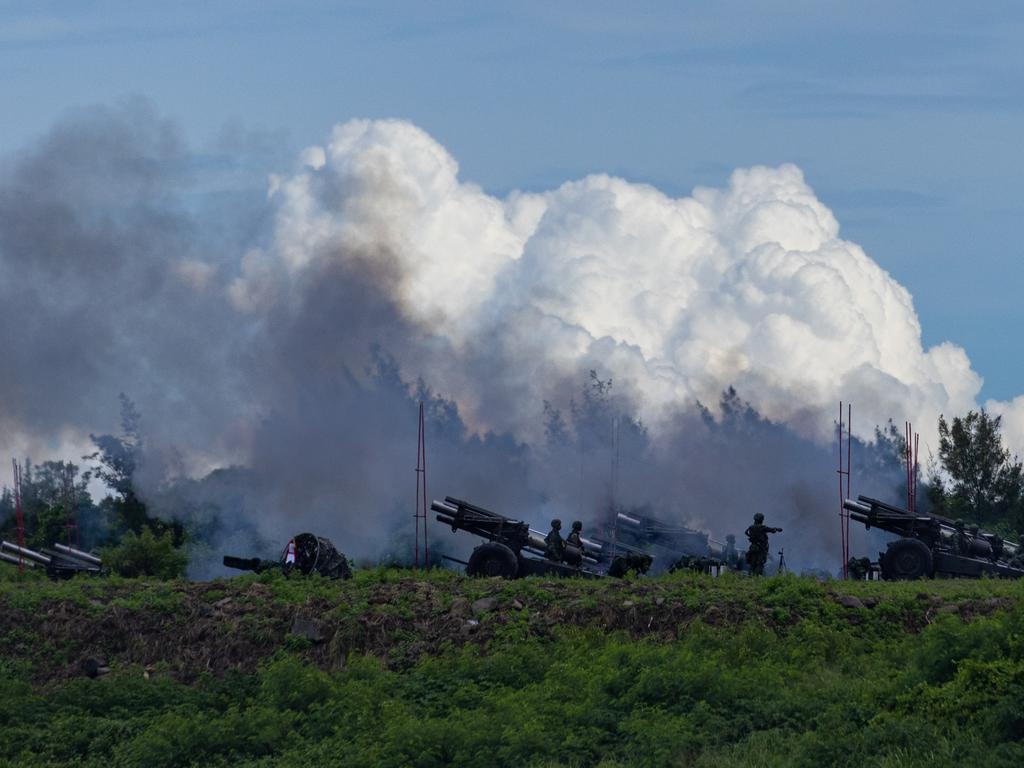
(842, 509)
(416, 509)
(421, 486)
(19, 515)
(849, 474)
(423, 446)
(917, 446)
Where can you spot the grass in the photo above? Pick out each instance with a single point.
(682, 670)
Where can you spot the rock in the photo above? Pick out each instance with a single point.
(628, 603)
(222, 602)
(470, 626)
(460, 607)
(659, 601)
(849, 601)
(871, 602)
(949, 608)
(483, 605)
(308, 628)
(517, 605)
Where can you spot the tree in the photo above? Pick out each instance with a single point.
(116, 460)
(980, 480)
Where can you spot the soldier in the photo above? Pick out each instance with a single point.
(574, 538)
(996, 542)
(858, 568)
(554, 545)
(757, 554)
(960, 544)
(623, 564)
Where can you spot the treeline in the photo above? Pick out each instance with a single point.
(973, 477)
(58, 508)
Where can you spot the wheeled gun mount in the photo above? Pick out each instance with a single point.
(513, 549)
(305, 553)
(60, 562)
(929, 545)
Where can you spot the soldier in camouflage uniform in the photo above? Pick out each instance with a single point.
(858, 568)
(554, 544)
(575, 537)
(757, 553)
(623, 564)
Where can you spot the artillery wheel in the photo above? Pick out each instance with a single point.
(493, 559)
(907, 559)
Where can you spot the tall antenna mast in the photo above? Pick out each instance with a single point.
(911, 444)
(844, 515)
(421, 491)
(19, 515)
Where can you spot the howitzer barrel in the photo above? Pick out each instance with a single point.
(856, 506)
(25, 552)
(250, 563)
(536, 540)
(443, 507)
(4, 557)
(78, 554)
(627, 519)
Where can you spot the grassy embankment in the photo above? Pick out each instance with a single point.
(396, 668)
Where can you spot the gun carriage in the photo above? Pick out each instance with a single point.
(305, 553)
(513, 549)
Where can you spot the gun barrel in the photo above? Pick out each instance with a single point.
(4, 557)
(627, 519)
(25, 552)
(243, 563)
(443, 507)
(856, 506)
(78, 554)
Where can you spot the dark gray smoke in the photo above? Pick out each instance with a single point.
(278, 398)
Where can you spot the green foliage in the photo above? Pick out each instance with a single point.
(983, 483)
(829, 685)
(146, 554)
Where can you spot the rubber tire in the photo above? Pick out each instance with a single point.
(493, 559)
(907, 559)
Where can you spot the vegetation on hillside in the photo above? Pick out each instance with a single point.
(397, 668)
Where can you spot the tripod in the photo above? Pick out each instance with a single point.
(782, 562)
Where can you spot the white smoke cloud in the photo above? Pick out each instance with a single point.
(750, 285)
(243, 330)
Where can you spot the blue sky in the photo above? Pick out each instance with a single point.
(907, 118)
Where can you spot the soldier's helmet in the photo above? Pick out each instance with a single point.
(556, 524)
(577, 525)
(959, 525)
(758, 518)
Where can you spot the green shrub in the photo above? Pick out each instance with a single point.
(146, 554)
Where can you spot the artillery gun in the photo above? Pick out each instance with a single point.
(512, 549)
(60, 561)
(670, 545)
(929, 545)
(305, 553)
